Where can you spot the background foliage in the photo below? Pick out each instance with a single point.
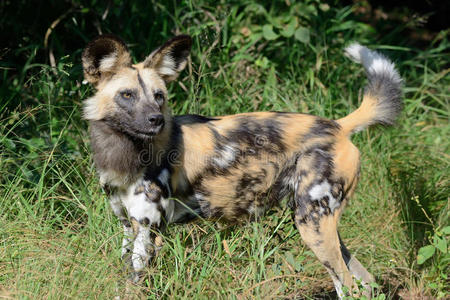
(58, 238)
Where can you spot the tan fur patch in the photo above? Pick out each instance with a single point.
(102, 103)
(223, 188)
(360, 117)
(198, 145)
(326, 246)
(346, 159)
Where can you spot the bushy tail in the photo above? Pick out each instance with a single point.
(382, 101)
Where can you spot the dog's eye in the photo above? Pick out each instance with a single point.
(159, 97)
(126, 95)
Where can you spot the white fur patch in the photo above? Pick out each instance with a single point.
(169, 207)
(90, 111)
(140, 255)
(338, 288)
(167, 66)
(198, 196)
(108, 62)
(321, 190)
(139, 208)
(127, 239)
(225, 157)
(118, 210)
(291, 182)
(255, 210)
(354, 51)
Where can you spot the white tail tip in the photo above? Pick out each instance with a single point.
(373, 62)
(354, 50)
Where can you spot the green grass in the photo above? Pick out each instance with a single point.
(58, 237)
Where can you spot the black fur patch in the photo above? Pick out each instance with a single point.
(323, 127)
(178, 48)
(181, 48)
(109, 189)
(332, 270)
(144, 88)
(192, 119)
(144, 221)
(262, 135)
(323, 162)
(210, 212)
(102, 46)
(344, 251)
(126, 223)
(249, 138)
(311, 210)
(152, 174)
(248, 183)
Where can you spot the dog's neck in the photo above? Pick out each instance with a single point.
(120, 159)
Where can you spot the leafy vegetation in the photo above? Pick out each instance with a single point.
(58, 237)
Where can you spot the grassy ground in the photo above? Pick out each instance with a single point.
(58, 237)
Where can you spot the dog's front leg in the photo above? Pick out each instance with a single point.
(120, 212)
(148, 212)
(144, 247)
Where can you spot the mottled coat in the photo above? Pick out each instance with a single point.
(160, 169)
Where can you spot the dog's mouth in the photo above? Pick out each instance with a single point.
(136, 130)
(148, 133)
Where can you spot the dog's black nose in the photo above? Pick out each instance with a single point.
(156, 120)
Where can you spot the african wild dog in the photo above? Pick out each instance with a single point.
(224, 167)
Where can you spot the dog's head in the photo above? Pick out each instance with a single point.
(132, 98)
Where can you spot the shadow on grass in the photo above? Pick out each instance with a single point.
(390, 289)
(419, 188)
(416, 185)
(324, 296)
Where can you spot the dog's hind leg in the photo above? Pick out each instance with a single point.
(320, 197)
(321, 236)
(357, 269)
(318, 204)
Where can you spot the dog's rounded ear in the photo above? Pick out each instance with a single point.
(103, 57)
(171, 58)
